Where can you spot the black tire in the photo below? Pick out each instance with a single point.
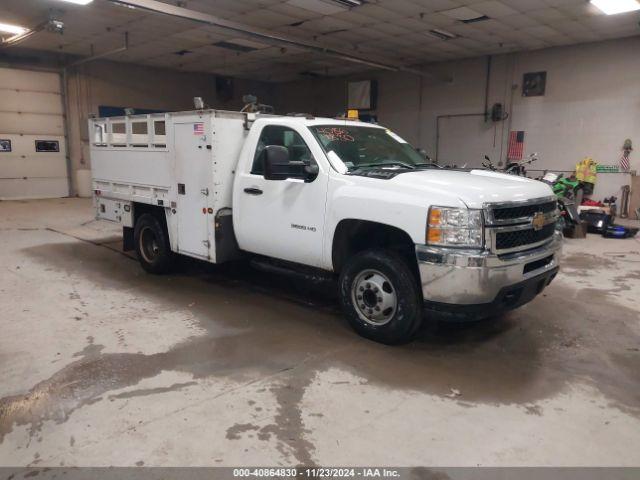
(152, 244)
(364, 275)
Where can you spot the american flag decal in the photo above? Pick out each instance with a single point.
(516, 145)
(198, 128)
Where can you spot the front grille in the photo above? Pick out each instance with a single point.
(522, 211)
(519, 238)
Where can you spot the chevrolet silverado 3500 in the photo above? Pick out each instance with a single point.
(349, 198)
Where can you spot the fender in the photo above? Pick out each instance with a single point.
(380, 202)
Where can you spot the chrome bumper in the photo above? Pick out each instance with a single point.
(468, 277)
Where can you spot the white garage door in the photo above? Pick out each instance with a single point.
(32, 142)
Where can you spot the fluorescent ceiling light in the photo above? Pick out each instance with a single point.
(349, 3)
(78, 2)
(14, 29)
(611, 7)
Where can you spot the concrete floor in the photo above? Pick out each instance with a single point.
(102, 364)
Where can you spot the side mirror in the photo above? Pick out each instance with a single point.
(278, 166)
(276, 162)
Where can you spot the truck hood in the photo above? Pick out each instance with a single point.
(473, 188)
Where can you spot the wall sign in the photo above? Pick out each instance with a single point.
(362, 95)
(47, 146)
(5, 145)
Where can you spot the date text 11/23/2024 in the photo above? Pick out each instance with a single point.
(317, 472)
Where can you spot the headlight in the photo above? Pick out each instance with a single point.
(455, 227)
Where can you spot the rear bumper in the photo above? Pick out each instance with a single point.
(484, 284)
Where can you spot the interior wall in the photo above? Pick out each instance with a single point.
(126, 85)
(591, 105)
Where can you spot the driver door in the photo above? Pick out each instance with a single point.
(281, 218)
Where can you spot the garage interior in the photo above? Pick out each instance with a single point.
(103, 364)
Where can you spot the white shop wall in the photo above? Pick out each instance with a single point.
(591, 105)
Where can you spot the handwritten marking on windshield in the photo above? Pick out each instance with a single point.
(335, 134)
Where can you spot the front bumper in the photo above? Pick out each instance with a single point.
(468, 281)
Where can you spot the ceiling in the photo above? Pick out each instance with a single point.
(396, 31)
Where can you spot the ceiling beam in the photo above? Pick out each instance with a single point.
(123, 48)
(272, 38)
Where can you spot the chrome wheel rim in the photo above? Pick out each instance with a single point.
(149, 247)
(374, 297)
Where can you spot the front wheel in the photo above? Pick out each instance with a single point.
(152, 244)
(380, 296)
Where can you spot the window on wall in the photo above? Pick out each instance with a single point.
(45, 146)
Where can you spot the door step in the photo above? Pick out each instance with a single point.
(281, 267)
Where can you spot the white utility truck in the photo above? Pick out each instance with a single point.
(333, 196)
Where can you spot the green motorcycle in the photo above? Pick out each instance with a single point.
(569, 193)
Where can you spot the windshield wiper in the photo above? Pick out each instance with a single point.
(427, 165)
(388, 164)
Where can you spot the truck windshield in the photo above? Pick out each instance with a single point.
(367, 147)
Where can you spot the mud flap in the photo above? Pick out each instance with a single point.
(127, 239)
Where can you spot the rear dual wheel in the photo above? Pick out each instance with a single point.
(380, 296)
(152, 244)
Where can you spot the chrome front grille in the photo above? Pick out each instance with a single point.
(519, 226)
(518, 238)
(526, 212)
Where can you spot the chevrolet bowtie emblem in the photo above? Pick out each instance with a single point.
(538, 221)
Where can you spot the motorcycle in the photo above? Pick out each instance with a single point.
(565, 190)
(519, 168)
(512, 168)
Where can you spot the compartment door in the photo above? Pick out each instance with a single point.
(193, 174)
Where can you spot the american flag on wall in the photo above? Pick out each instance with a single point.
(516, 145)
(625, 164)
(198, 128)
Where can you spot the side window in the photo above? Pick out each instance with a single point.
(285, 137)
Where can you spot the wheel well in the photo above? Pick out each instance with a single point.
(353, 236)
(140, 209)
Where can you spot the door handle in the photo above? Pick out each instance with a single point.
(253, 191)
